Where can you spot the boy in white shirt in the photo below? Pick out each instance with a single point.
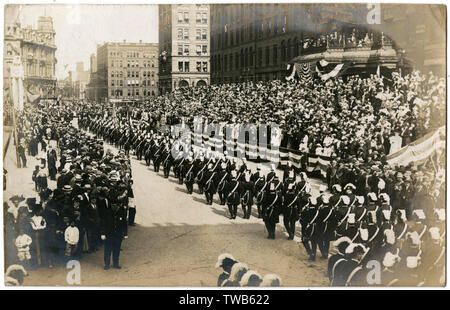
(23, 242)
(71, 236)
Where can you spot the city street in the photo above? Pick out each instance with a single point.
(177, 239)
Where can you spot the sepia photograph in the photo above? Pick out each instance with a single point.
(224, 145)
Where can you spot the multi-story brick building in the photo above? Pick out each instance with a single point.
(127, 70)
(256, 41)
(184, 36)
(36, 49)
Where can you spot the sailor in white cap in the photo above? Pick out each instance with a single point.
(325, 227)
(390, 271)
(226, 261)
(251, 278)
(237, 272)
(309, 223)
(232, 189)
(271, 280)
(223, 177)
(335, 198)
(339, 246)
(358, 270)
(289, 171)
(291, 204)
(260, 188)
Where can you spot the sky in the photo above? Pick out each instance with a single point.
(79, 28)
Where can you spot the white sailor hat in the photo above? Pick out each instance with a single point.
(341, 240)
(271, 280)
(325, 199)
(237, 271)
(349, 185)
(225, 259)
(337, 187)
(354, 247)
(251, 278)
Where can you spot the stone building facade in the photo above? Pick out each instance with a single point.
(184, 36)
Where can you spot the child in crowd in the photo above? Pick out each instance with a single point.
(23, 242)
(71, 236)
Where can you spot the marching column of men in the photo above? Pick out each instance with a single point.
(361, 227)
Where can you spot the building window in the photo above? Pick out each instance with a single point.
(137, 92)
(153, 64)
(186, 50)
(180, 17)
(283, 51)
(275, 54)
(186, 34)
(198, 34)
(137, 73)
(186, 17)
(204, 34)
(199, 66)
(198, 50)
(180, 66)
(267, 55)
(121, 83)
(204, 49)
(205, 66)
(186, 66)
(180, 33)
(198, 18)
(204, 18)
(180, 50)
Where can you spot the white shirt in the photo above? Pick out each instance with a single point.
(38, 222)
(72, 235)
(23, 242)
(396, 144)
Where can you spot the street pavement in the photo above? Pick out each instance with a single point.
(177, 239)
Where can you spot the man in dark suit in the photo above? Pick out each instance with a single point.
(113, 231)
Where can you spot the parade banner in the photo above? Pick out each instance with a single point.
(312, 163)
(420, 150)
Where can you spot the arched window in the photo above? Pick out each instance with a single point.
(184, 84)
(201, 83)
